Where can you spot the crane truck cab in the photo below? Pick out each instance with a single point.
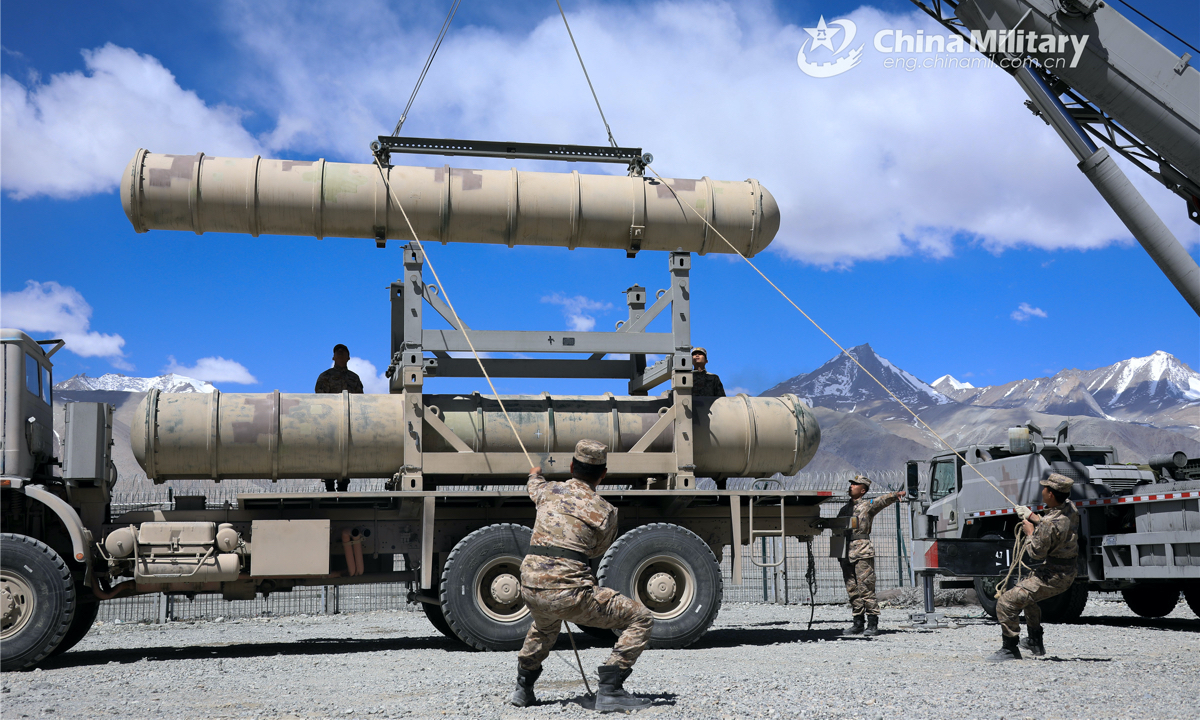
(1137, 522)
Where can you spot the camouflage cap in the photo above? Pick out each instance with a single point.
(700, 350)
(591, 452)
(861, 480)
(1059, 483)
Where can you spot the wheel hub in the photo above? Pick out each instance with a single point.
(661, 587)
(506, 589)
(16, 604)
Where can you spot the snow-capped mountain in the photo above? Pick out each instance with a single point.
(114, 382)
(947, 383)
(1136, 389)
(1145, 384)
(841, 384)
(1063, 394)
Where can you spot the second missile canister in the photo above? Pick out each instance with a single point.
(259, 196)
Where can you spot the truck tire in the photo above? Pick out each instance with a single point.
(438, 619)
(1152, 600)
(85, 616)
(687, 600)
(1192, 594)
(1066, 607)
(37, 601)
(985, 587)
(481, 588)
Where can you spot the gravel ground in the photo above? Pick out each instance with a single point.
(757, 661)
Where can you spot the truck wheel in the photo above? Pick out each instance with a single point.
(1152, 601)
(1066, 607)
(671, 571)
(1192, 594)
(438, 619)
(985, 587)
(481, 588)
(37, 601)
(85, 616)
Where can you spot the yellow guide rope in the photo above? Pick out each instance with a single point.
(835, 342)
(461, 326)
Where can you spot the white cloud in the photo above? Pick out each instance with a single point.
(372, 381)
(61, 312)
(74, 135)
(213, 370)
(577, 310)
(1026, 311)
(871, 164)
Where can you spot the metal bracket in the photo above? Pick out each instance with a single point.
(632, 157)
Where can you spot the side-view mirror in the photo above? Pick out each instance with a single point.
(913, 486)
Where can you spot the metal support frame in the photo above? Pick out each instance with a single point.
(632, 157)
(412, 344)
(1098, 124)
(1044, 90)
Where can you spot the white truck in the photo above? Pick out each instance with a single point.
(1139, 524)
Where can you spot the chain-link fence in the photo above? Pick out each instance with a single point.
(784, 583)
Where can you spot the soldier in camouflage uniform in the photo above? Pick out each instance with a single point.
(1055, 537)
(704, 383)
(335, 380)
(858, 558)
(574, 524)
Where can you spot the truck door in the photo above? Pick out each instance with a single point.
(943, 494)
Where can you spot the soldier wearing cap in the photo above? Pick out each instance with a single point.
(858, 555)
(1055, 537)
(704, 383)
(335, 380)
(573, 526)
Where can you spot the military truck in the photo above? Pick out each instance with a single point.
(1139, 524)
(454, 521)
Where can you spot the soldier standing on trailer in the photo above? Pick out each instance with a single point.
(335, 380)
(704, 383)
(574, 524)
(1054, 536)
(858, 559)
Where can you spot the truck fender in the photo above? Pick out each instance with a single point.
(81, 537)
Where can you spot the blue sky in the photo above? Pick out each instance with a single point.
(921, 210)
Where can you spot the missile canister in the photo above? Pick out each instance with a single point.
(508, 207)
(282, 435)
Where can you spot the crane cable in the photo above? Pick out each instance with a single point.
(587, 77)
(830, 337)
(428, 63)
(446, 296)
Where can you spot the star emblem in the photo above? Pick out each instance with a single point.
(822, 34)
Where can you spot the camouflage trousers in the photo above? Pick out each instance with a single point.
(593, 606)
(1025, 596)
(860, 585)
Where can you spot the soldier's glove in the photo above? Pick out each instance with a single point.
(1023, 512)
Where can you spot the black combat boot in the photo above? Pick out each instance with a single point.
(1034, 642)
(856, 628)
(1009, 651)
(611, 696)
(523, 696)
(872, 626)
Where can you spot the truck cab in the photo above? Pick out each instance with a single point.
(28, 429)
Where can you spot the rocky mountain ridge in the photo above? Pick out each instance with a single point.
(115, 382)
(1141, 406)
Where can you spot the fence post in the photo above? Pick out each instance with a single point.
(329, 599)
(164, 608)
